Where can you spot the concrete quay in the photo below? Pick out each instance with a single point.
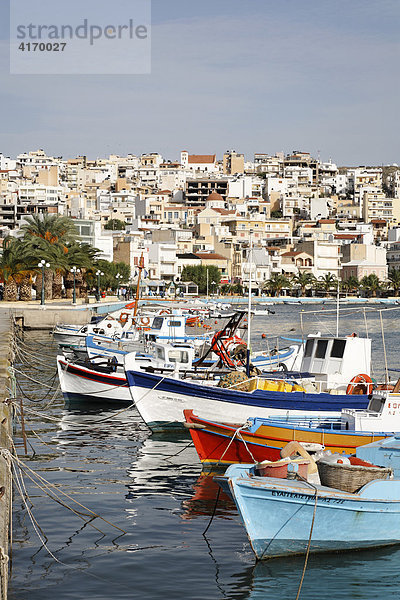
(7, 391)
(32, 315)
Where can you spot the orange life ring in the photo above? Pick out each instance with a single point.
(164, 312)
(145, 321)
(123, 317)
(360, 381)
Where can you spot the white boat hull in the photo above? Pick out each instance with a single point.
(79, 384)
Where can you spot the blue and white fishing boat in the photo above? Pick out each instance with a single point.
(284, 516)
(333, 367)
(100, 376)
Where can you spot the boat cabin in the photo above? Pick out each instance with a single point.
(382, 414)
(174, 356)
(335, 361)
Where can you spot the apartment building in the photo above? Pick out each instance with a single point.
(198, 190)
(375, 205)
(232, 163)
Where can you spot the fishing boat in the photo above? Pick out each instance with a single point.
(100, 376)
(262, 439)
(100, 381)
(285, 516)
(336, 371)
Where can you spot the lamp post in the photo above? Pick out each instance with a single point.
(118, 277)
(98, 273)
(43, 264)
(74, 270)
(213, 284)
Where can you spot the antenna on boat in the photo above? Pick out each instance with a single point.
(337, 308)
(250, 259)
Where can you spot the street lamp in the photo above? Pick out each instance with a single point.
(118, 277)
(213, 284)
(43, 264)
(74, 270)
(98, 273)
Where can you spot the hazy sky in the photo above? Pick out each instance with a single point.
(256, 76)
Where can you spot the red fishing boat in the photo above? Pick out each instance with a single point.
(262, 439)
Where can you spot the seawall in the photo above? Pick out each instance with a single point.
(7, 391)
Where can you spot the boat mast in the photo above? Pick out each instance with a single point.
(140, 267)
(250, 261)
(337, 309)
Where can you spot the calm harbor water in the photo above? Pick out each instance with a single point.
(152, 488)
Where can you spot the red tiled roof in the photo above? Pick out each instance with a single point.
(292, 253)
(201, 158)
(327, 221)
(224, 211)
(214, 196)
(211, 255)
(346, 236)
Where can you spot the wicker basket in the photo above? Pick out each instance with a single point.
(350, 478)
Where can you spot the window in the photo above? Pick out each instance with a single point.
(180, 356)
(157, 323)
(309, 347)
(174, 323)
(321, 348)
(338, 347)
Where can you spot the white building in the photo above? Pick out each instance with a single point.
(163, 263)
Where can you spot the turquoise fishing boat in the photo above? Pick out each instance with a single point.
(290, 516)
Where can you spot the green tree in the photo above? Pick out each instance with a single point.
(198, 274)
(82, 256)
(110, 270)
(55, 231)
(115, 225)
(351, 284)
(303, 280)
(327, 283)
(53, 228)
(276, 283)
(371, 284)
(12, 268)
(394, 279)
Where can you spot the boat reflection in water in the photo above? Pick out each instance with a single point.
(207, 498)
(99, 424)
(356, 574)
(166, 464)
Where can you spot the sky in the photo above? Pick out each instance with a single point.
(257, 76)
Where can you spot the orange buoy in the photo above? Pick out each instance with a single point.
(263, 336)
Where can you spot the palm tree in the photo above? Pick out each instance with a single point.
(56, 231)
(276, 283)
(394, 279)
(371, 283)
(351, 284)
(12, 268)
(35, 249)
(327, 282)
(303, 280)
(82, 256)
(53, 228)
